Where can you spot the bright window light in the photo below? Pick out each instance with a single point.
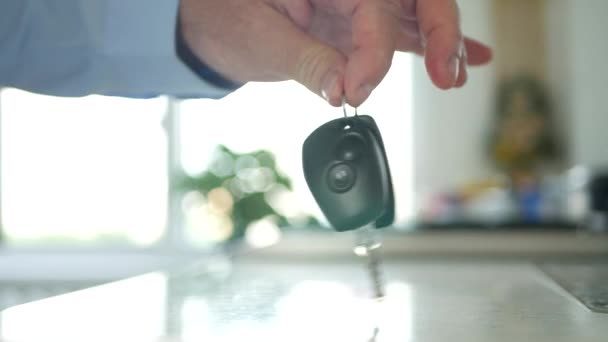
(82, 169)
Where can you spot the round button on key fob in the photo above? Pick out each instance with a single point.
(346, 169)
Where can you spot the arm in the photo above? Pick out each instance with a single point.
(111, 47)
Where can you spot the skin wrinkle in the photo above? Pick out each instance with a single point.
(309, 60)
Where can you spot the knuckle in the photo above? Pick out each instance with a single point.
(311, 66)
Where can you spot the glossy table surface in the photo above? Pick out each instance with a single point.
(261, 299)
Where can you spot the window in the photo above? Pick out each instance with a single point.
(99, 170)
(82, 170)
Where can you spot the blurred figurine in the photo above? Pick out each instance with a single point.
(524, 142)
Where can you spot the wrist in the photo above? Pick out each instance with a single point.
(196, 64)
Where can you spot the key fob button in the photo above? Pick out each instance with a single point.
(350, 147)
(349, 155)
(347, 171)
(341, 177)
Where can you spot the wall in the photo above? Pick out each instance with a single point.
(560, 41)
(587, 74)
(520, 37)
(450, 126)
(558, 66)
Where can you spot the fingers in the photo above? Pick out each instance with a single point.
(304, 58)
(376, 29)
(440, 27)
(478, 53)
(481, 53)
(254, 41)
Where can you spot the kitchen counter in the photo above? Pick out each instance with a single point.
(256, 298)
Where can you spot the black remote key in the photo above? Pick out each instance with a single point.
(347, 171)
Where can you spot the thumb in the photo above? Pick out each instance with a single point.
(308, 60)
(321, 69)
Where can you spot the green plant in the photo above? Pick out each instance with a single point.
(249, 179)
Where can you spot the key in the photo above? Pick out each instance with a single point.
(367, 247)
(347, 171)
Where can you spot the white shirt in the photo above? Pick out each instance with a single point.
(81, 47)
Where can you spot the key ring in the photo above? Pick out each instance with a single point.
(344, 107)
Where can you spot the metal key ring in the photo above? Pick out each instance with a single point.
(344, 107)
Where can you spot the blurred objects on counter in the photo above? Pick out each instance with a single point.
(530, 186)
(555, 201)
(598, 197)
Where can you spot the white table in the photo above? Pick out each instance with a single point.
(265, 299)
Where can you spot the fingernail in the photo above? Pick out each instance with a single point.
(364, 91)
(465, 74)
(453, 68)
(330, 84)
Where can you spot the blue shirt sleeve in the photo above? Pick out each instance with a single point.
(108, 47)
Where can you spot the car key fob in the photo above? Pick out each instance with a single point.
(347, 171)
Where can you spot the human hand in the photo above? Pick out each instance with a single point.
(333, 47)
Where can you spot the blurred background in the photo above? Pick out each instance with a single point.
(99, 188)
